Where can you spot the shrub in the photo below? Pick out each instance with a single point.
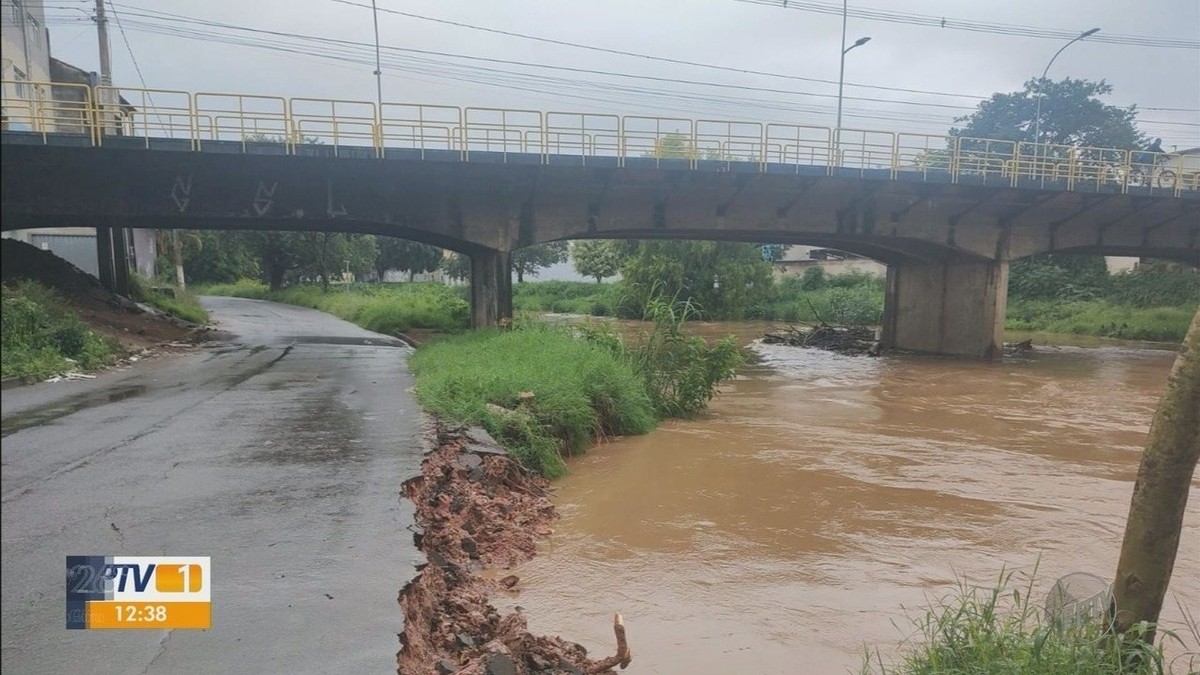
(681, 371)
(178, 303)
(42, 336)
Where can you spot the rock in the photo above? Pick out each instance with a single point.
(500, 664)
(465, 640)
(537, 661)
(510, 581)
(568, 667)
(470, 547)
(469, 461)
(446, 667)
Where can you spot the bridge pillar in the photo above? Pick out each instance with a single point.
(951, 308)
(491, 288)
(112, 259)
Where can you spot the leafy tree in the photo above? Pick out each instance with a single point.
(214, 256)
(456, 266)
(673, 145)
(531, 260)
(1072, 113)
(320, 254)
(723, 279)
(597, 258)
(401, 254)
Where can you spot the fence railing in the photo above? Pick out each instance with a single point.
(96, 115)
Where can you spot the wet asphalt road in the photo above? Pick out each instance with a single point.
(278, 452)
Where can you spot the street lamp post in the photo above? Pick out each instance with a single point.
(842, 79)
(1037, 115)
(378, 69)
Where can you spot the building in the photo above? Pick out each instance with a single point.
(797, 259)
(25, 52)
(42, 93)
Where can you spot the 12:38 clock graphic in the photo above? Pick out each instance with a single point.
(139, 592)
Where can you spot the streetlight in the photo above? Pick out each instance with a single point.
(378, 70)
(1037, 115)
(842, 77)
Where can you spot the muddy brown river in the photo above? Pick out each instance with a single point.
(824, 496)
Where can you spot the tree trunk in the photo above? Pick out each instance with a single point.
(411, 275)
(520, 274)
(177, 254)
(1160, 494)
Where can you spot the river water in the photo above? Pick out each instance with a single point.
(824, 498)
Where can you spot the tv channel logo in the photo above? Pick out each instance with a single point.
(139, 592)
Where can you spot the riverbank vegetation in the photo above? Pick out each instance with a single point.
(42, 335)
(546, 392)
(383, 308)
(1003, 630)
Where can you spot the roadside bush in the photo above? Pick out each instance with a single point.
(42, 336)
(1155, 286)
(580, 391)
(179, 304)
(383, 308)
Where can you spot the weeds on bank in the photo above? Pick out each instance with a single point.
(383, 308)
(1001, 630)
(42, 335)
(580, 391)
(546, 392)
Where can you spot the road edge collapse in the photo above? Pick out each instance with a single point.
(477, 510)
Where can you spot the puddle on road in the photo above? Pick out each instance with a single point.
(68, 406)
(352, 341)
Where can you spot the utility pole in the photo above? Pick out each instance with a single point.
(378, 68)
(111, 246)
(102, 36)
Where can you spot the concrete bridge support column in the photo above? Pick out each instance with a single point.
(491, 288)
(951, 308)
(111, 259)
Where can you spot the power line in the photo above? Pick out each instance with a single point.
(663, 59)
(1016, 30)
(351, 52)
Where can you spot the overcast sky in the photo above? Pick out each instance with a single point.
(799, 43)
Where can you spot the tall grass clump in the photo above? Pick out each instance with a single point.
(541, 391)
(178, 303)
(1003, 630)
(42, 335)
(680, 371)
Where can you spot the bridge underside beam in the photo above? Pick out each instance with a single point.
(491, 288)
(951, 308)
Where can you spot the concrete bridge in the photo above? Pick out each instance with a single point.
(946, 214)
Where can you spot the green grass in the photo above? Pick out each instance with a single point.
(581, 391)
(1001, 631)
(383, 308)
(42, 335)
(1100, 318)
(567, 297)
(179, 304)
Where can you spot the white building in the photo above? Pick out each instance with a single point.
(25, 52)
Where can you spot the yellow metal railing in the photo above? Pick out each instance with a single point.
(166, 118)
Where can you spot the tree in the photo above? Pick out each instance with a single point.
(220, 256)
(401, 254)
(724, 279)
(530, 260)
(673, 145)
(597, 258)
(456, 266)
(1160, 494)
(319, 254)
(1071, 114)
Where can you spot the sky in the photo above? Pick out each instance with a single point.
(911, 78)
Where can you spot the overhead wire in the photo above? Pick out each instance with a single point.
(995, 28)
(331, 48)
